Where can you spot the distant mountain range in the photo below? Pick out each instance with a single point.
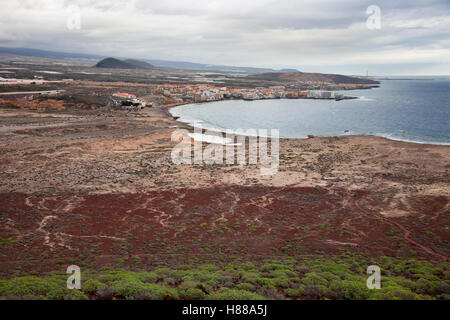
(113, 63)
(206, 67)
(307, 76)
(27, 52)
(289, 70)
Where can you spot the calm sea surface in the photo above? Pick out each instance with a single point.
(409, 110)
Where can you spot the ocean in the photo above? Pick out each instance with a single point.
(408, 110)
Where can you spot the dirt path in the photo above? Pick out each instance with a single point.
(406, 234)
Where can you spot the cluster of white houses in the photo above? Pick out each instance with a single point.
(206, 92)
(128, 101)
(321, 94)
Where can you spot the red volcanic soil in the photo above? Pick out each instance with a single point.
(249, 222)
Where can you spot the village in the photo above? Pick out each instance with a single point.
(180, 94)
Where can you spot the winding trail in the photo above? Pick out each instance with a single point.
(406, 234)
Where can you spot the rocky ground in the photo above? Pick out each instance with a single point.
(95, 186)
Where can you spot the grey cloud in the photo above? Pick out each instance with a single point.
(262, 33)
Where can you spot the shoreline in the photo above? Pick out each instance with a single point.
(167, 110)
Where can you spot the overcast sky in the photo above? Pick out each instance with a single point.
(311, 35)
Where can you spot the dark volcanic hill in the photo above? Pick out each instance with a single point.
(303, 76)
(113, 63)
(140, 64)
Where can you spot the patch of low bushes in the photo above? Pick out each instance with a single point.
(314, 277)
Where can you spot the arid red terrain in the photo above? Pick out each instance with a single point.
(245, 221)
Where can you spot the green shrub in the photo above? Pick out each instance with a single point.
(248, 266)
(312, 279)
(192, 290)
(313, 291)
(131, 287)
(210, 278)
(265, 282)
(425, 286)
(274, 266)
(105, 292)
(249, 276)
(208, 267)
(76, 295)
(350, 290)
(163, 271)
(91, 286)
(31, 287)
(309, 277)
(283, 274)
(192, 294)
(147, 276)
(231, 294)
(293, 292)
(245, 286)
(393, 293)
